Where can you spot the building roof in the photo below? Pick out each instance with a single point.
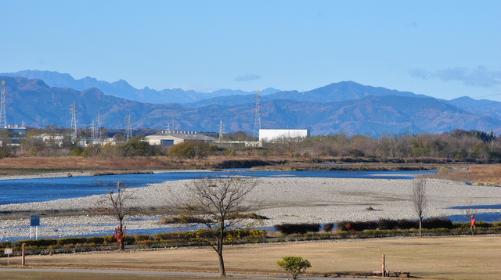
(184, 136)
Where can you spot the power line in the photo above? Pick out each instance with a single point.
(221, 130)
(74, 128)
(257, 115)
(3, 105)
(128, 127)
(98, 126)
(93, 131)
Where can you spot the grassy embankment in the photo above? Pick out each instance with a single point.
(39, 165)
(480, 174)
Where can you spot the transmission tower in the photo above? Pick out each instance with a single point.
(3, 104)
(93, 131)
(128, 127)
(257, 115)
(74, 129)
(221, 130)
(98, 126)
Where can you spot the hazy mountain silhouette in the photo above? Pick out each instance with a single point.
(345, 107)
(123, 89)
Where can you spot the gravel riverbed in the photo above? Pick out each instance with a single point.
(282, 200)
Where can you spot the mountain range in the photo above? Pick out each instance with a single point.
(123, 89)
(41, 98)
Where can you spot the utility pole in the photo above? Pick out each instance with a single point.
(93, 131)
(257, 115)
(221, 130)
(128, 127)
(98, 127)
(3, 105)
(383, 265)
(74, 129)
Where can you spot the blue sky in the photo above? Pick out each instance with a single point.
(440, 48)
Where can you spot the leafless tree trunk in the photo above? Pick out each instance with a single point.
(117, 205)
(221, 203)
(419, 200)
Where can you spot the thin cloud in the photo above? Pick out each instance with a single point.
(475, 77)
(412, 24)
(247, 78)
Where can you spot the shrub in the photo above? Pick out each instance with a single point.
(437, 223)
(356, 226)
(387, 224)
(294, 265)
(328, 227)
(68, 241)
(183, 219)
(297, 228)
(192, 150)
(136, 147)
(253, 216)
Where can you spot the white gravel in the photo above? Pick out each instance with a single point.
(283, 200)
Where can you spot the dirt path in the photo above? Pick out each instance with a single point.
(75, 274)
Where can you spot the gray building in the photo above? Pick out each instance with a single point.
(169, 138)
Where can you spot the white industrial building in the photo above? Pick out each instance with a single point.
(271, 135)
(169, 138)
(57, 140)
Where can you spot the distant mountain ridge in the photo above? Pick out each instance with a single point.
(123, 89)
(344, 107)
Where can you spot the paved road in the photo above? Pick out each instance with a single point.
(171, 274)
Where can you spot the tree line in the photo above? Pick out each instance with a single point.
(459, 145)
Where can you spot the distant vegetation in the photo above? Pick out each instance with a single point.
(456, 146)
(467, 146)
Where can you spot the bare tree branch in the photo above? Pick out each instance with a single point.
(220, 202)
(419, 200)
(117, 205)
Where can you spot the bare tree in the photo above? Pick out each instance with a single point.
(419, 200)
(116, 204)
(220, 203)
(471, 215)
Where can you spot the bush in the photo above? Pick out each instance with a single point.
(297, 228)
(192, 150)
(438, 223)
(68, 241)
(136, 147)
(183, 219)
(387, 224)
(328, 227)
(294, 265)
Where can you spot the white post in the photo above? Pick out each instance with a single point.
(30, 233)
(36, 233)
(383, 265)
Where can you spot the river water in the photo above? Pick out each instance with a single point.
(44, 189)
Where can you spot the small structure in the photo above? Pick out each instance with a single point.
(85, 142)
(173, 137)
(13, 135)
(273, 135)
(57, 140)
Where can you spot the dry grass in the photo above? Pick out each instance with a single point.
(430, 258)
(31, 275)
(479, 174)
(36, 165)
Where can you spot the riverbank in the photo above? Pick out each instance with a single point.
(19, 166)
(282, 200)
(480, 175)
